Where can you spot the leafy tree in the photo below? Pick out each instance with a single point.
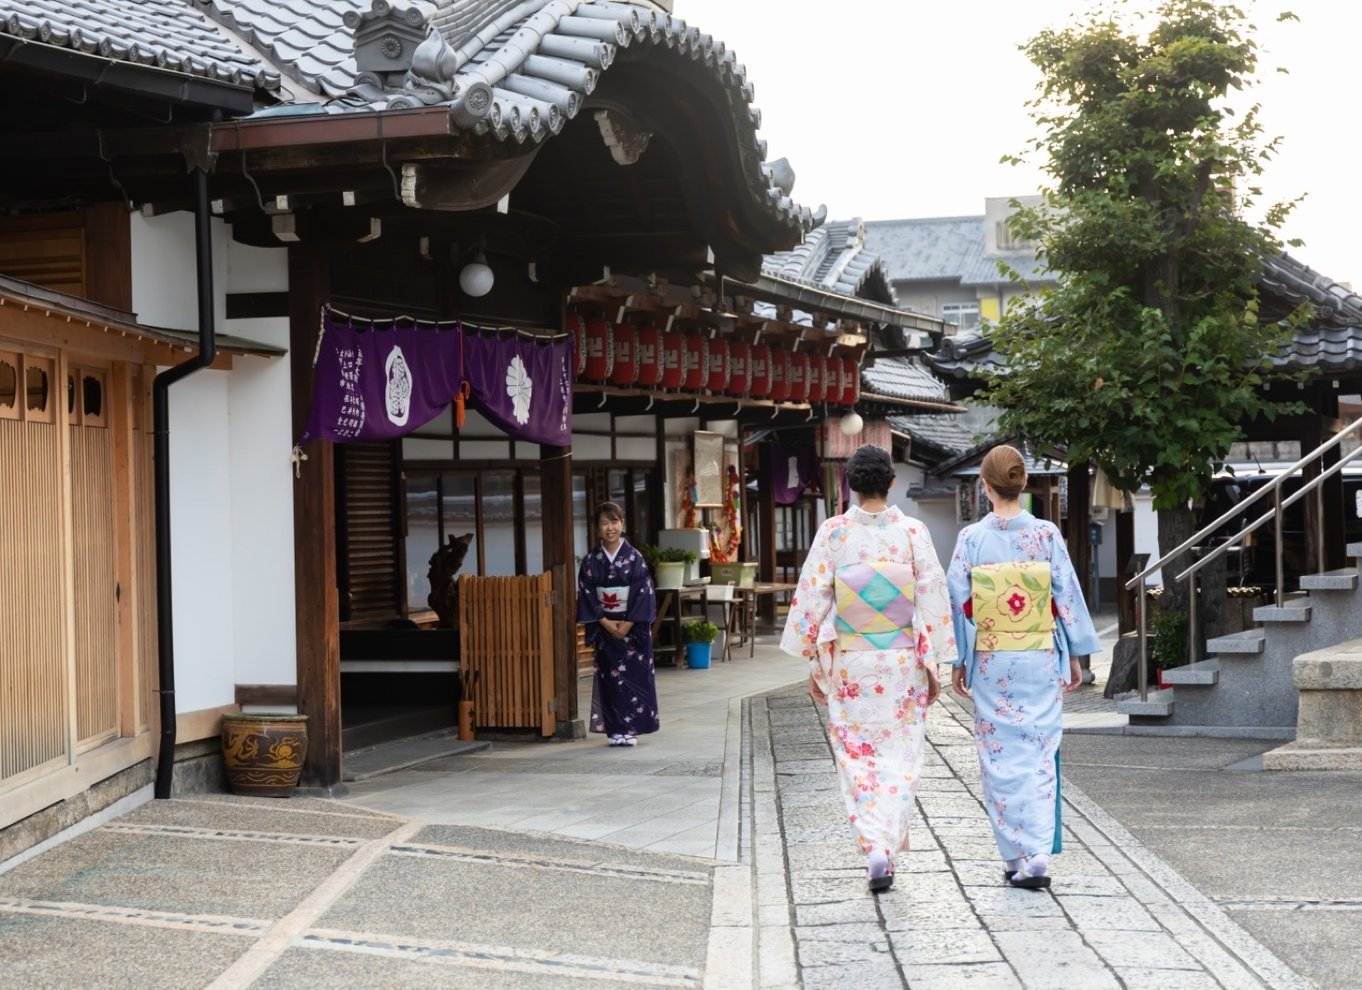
(1148, 354)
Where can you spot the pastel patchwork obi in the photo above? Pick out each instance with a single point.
(1011, 606)
(875, 606)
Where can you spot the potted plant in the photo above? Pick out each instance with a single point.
(699, 635)
(668, 564)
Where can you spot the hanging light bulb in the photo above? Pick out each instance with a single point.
(852, 423)
(476, 277)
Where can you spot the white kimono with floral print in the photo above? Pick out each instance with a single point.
(877, 699)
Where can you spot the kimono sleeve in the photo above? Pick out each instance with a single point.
(589, 609)
(958, 586)
(933, 606)
(642, 597)
(1066, 590)
(812, 602)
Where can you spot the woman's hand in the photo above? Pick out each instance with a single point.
(816, 692)
(933, 685)
(958, 681)
(1075, 675)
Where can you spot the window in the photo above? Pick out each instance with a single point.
(1007, 241)
(964, 315)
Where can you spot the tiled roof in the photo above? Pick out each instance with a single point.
(165, 34)
(938, 248)
(1049, 461)
(515, 70)
(1329, 343)
(834, 257)
(902, 378)
(941, 434)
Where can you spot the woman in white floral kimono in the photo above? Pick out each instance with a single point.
(1021, 623)
(872, 616)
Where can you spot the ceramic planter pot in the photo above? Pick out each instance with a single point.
(264, 753)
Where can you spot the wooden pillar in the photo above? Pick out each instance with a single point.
(766, 529)
(555, 473)
(316, 598)
(1076, 527)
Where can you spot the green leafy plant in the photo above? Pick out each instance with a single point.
(1170, 640)
(699, 631)
(655, 555)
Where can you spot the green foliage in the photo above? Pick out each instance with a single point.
(699, 631)
(1149, 353)
(655, 555)
(1169, 633)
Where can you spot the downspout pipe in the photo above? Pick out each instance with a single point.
(165, 624)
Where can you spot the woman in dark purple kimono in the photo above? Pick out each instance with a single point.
(615, 600)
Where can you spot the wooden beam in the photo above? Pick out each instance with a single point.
(560, 560)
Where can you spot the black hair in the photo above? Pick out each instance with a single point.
(870, 471)
(608, 510)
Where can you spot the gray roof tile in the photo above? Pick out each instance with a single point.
(902, 378)
(936, 248)
(170, 34)
(505, 55)
(942, 434)
(834, 257)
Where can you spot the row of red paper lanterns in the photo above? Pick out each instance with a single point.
(632, 356)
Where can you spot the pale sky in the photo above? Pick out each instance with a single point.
(902, 108)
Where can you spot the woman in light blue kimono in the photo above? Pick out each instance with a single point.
(1021, 624)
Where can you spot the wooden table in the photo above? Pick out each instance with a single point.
(671, 604)
(750, 597)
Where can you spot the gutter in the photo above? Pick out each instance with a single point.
(165, 625)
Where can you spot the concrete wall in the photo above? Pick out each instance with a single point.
(230, 475)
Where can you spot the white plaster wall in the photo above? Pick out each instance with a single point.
(230, 487)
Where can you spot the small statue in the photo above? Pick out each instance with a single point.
(444, 588)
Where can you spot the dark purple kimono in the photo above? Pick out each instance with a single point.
(624, 695)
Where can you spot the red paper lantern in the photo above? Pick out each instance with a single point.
(577, 327)
(849, 376)
(759, 372)
(797, 377)
(600, 350)
(816, 390)
(832, 379)
(649, 356)
(739, 368)
(694, 366)
(717, 379)
(625, 369)
(780, 375)
(673, 360)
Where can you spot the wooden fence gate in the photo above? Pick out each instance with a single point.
(506, 650)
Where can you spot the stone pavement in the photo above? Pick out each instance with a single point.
(714, 856)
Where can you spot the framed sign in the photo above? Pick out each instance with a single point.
(709, 470)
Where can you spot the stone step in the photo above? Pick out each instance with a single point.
(1249, 641)
(1201, 673)
(1294, 756)
(1343, 579)
(1294, 610)
(1159, 705)
(1355, 550)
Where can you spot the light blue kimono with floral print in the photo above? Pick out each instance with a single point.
(1018, 694)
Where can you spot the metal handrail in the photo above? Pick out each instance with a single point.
(1278, 504)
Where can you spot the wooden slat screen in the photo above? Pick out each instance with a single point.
(371, 550)
(32, 660)
(52, 258)
(506, 636)
(93, 556)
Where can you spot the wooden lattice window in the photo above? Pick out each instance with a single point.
(40, 405)
(9, 385)
(86, 398)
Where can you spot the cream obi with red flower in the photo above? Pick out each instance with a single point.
(875, 606)
(1011, 605)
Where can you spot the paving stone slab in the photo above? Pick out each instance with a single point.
(1063, 961)
(1142, 951)
(834, 953)
(1106, 913)
(867, 975)
(858, 932)
(1136, 978)
(946, 945)
(1012, 901)
(976, 976)
(861, 908)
